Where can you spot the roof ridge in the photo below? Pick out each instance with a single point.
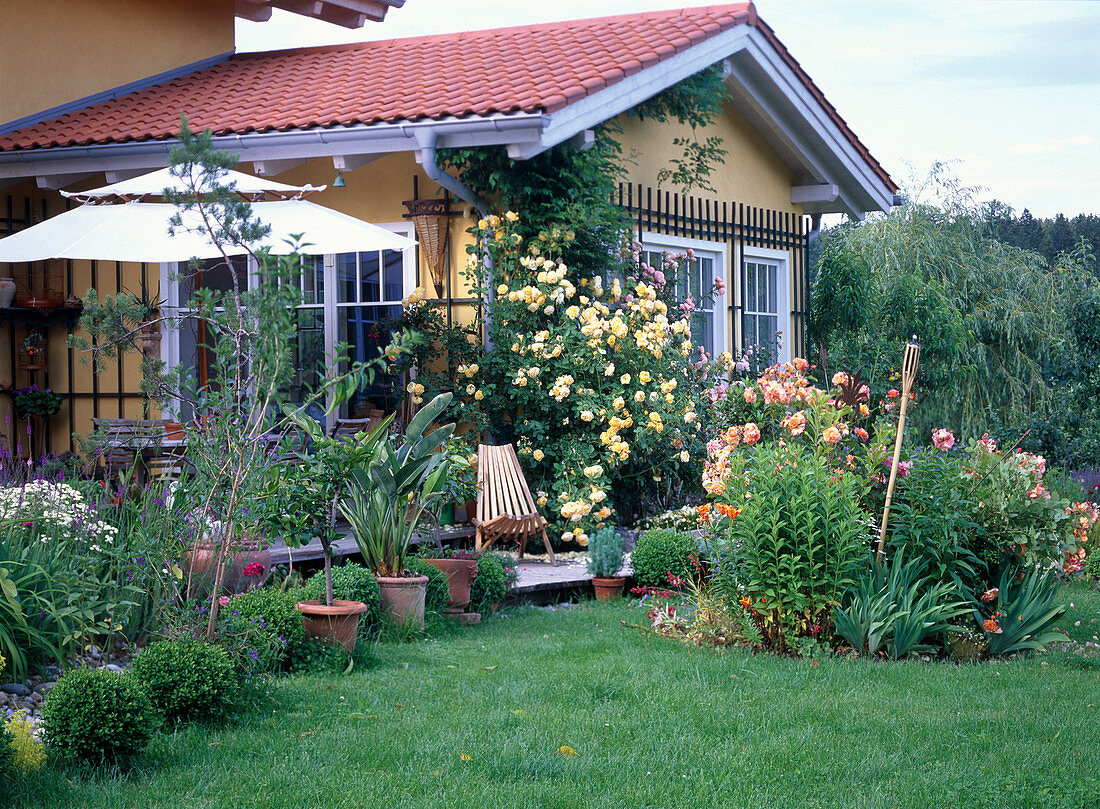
(746, 8)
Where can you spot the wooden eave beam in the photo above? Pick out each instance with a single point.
(254, 10)
(825, 192)
(350, 162)
(269, 168)
(53, 182)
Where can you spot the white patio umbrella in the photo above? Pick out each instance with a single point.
(137, 231)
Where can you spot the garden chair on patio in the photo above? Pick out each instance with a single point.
(117, 447)
(348, 428)
(505, 508)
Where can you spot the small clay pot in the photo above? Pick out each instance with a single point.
(608, 589)
(338, 624)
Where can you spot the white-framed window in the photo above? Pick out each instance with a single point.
(345, 298)
(710, 326)
(765, 304)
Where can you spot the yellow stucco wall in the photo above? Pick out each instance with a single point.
(751, 174)
(56, 51)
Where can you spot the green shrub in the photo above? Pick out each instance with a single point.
(605, 553)
(315, 656)
(97, 716)
(269, 626)
(933, 522)
(7, 755)
(439, 592)
(660, 552)
(1092, 565)
(188, 679)
(350, 583)
(490, 586)
(799, 539)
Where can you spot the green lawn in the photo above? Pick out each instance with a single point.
(653, 724)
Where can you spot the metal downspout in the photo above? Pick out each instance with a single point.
(427, 141)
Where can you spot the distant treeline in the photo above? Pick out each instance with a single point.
(1048, 237)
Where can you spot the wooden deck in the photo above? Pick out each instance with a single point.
(538, 579)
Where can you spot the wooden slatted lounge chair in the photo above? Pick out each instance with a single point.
(348, 428)
(117, 449)
(505, 508)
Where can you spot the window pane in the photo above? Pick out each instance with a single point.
(773, 304)
(309, 359)
(748, 331)
(212, 274)
(706, 273)
(750, 293)
(393, 266)
(761, 288)
(693, 279)
(346, 279)
(359, 327)
(769, 327)
(368, 270)
(313, 279)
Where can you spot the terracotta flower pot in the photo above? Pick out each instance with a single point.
(403, 598)
(608, 589)
(200, 567)
(338, 624)
(460, 575)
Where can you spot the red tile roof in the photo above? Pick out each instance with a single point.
(538, 68)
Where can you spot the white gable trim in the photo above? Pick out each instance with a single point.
(616, 99)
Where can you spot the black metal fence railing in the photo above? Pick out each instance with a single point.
(737, 225)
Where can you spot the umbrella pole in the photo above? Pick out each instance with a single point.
(908, 376)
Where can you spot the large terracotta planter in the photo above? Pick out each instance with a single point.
(403, 598)
(338, 624)
(460, 575)
(200, 567)
(608, 589)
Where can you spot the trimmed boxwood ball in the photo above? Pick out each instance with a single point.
(659, 552)
(349, 583)
(439, 592)
(1092, 565)
(188, 679)
(97, 716)
(490, 586)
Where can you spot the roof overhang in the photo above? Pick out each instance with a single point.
(348, 146)
(347, 13)
(832, 176)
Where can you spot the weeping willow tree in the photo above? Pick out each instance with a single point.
(988, 316)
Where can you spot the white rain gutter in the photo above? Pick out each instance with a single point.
(329, 142)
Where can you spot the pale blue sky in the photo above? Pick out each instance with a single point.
(1009, 92)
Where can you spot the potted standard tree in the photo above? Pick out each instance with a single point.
(605, 558)
(304, 499)
(386, 501)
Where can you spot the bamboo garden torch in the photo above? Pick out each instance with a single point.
(908, 376)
